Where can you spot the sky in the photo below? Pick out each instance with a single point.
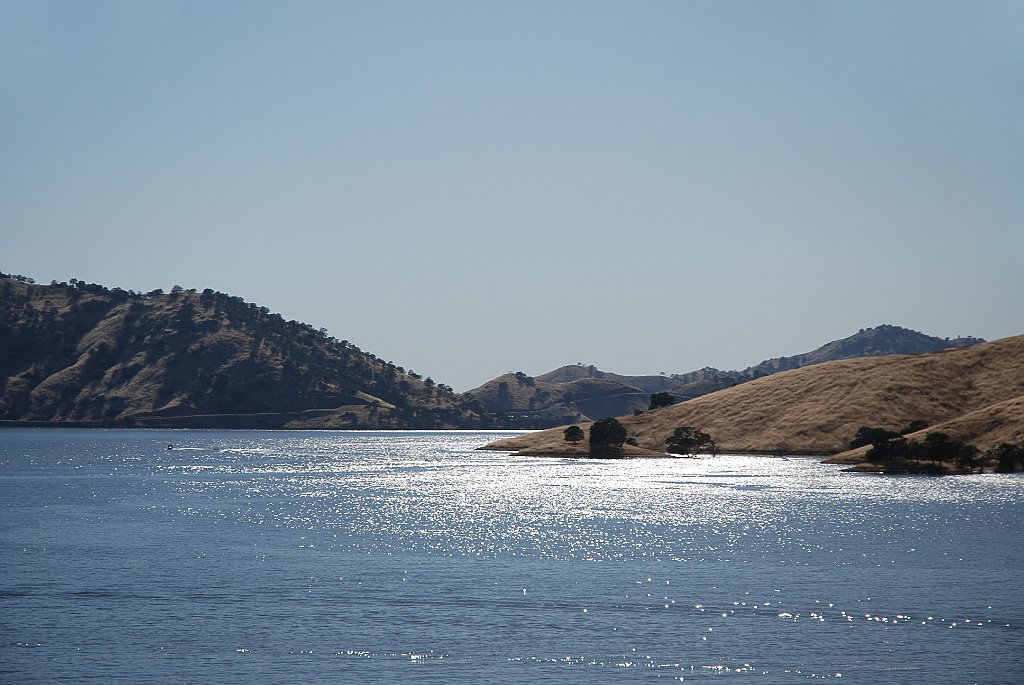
(471, 188)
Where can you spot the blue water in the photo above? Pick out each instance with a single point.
(340, 557)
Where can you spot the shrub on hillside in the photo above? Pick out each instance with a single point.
(573, 434)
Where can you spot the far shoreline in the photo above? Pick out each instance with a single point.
(632, 452)
(863, 467)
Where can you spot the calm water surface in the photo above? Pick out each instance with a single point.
(338, 557)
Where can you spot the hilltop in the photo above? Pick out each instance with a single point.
(82, 354)
(974, 394)
(536, 403)
(583, 393)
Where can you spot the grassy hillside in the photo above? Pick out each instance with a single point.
(531, 402)
(869, 342)
(560, 395)
(576, 372)
(975, 394)
(82, 353)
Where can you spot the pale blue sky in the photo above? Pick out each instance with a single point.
(468, 188)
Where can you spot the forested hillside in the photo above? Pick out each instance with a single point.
(81, 353)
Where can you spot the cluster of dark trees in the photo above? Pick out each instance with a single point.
(937, 448)
(870, 435)
(1008, 457)
(523, 379)
(607, 436)
(894, 450)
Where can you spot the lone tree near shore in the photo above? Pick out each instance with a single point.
(606, 438)
(689, 440)
(574, 434)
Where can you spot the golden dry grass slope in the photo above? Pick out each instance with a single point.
(975, 394)
(583, 393)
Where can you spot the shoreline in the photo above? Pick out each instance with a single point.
(632, 452)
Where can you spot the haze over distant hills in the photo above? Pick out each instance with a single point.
(584, 393)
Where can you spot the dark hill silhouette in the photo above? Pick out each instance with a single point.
(79, 353)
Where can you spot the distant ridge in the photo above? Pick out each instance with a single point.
(974, 394)
(82, 354)
(583, 393)
(869, 342)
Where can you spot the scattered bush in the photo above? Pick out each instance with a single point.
(914, 426)
(573, 434)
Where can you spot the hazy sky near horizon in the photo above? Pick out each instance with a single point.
(469, 188)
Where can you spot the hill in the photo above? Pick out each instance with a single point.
(81, 354)
(534, 403)
(578, 372)
(975, 394)
(562, 395)
(868, 342)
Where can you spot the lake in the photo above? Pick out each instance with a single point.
(372, 557)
